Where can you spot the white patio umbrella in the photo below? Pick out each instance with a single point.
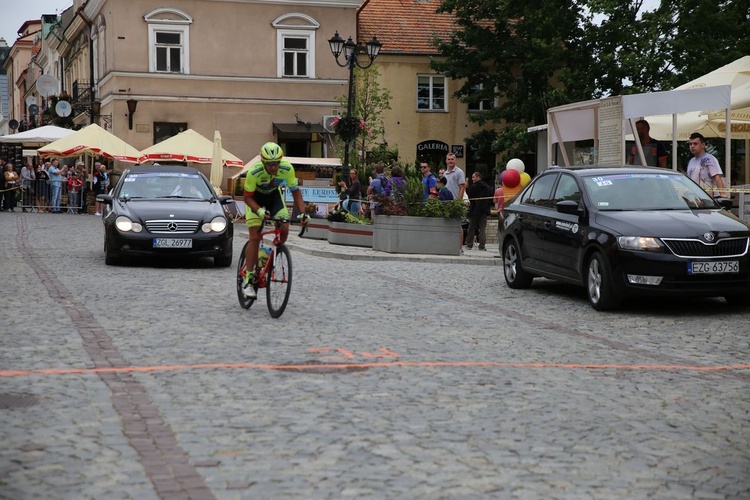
(39, 135)
(217, 175)
(712, 123)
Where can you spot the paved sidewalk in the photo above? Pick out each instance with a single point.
(321, 248)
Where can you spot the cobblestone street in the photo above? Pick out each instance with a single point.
(386, 377)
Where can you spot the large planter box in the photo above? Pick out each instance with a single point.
(356, 235)
(423, 235)
(317, 229)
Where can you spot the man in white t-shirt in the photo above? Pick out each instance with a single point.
(455, 176)
(703, 167)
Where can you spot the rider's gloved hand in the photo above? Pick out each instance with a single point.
(261, 212)
(304, 219)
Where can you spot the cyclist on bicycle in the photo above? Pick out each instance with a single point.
(263, 200)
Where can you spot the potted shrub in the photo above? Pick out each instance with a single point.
(317, 228)
(414, 225)
(347, 229)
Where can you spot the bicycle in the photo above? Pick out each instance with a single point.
(275, 275)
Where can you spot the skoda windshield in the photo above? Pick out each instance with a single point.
(646, 191)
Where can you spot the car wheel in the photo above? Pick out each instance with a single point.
(515, 276)
(737, 300)
(223, 260)
(599, 284)
(110, 257)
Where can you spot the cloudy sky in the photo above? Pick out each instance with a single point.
(14, 13)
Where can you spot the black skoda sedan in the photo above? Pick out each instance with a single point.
(625, 231)
(166, 211)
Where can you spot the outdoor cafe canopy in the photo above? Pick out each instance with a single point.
(607, 121)
(187, 146)
(39, 135)
(91, 140)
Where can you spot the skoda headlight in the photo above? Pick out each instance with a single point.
(217, 225)
(638, 243)
(124, 224)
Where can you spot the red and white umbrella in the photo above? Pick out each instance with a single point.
(94, 141)
(187, 146)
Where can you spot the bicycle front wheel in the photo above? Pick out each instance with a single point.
(279, 281)
(244, 301)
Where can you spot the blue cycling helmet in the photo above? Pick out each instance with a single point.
(271, 152)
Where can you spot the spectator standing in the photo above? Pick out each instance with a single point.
(703, 167)
(11, 187)
(428, 179)
(444, 194)
(455, 176)
(396, 185)
(653, 151)
(376, 187)
(351, 188)
(2, 185)
(28, 177)
(101, 184)
(84, 193)
(377, 184)
(55, 181)
(41, 187)
(480, 200)
(75, 184)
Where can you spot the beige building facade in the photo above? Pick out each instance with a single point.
(254, 70)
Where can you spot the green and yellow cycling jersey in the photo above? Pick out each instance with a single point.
(261, 181)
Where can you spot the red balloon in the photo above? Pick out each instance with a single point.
(511, 178)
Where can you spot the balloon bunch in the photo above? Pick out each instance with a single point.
(512, 180)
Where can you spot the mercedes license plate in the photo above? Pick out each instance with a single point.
(719, 267)
(173, 243)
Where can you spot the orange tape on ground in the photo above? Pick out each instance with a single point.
(394, 364)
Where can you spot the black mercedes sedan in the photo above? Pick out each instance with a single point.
(166, 211)
(625, 232)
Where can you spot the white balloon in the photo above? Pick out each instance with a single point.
(516, 164)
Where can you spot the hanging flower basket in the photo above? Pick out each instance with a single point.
(348, 128)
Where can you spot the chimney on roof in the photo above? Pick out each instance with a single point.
(3, 43)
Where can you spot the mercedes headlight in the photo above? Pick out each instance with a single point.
(638, 243)
(124, 224)
(217, 225)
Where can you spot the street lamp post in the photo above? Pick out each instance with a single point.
(352, 51)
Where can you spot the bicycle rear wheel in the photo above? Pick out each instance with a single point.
(244, 301)
(279, 281)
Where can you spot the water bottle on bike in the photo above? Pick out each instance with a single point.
(263, 253)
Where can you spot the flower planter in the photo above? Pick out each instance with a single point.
(317, 229)
(356, 235)
(423, 235)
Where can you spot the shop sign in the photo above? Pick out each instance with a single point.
(315, 195)
(432, 146)
(458, 150)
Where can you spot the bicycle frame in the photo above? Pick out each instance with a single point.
(276, 231)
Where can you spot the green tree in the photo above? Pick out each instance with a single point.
(370, 102)
(533, 55)
(513, 50)
(708, 34)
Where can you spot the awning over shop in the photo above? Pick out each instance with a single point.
(301, 130)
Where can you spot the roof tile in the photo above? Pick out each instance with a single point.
(404, 26)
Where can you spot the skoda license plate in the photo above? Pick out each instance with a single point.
(719, 267)
(173, 243)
